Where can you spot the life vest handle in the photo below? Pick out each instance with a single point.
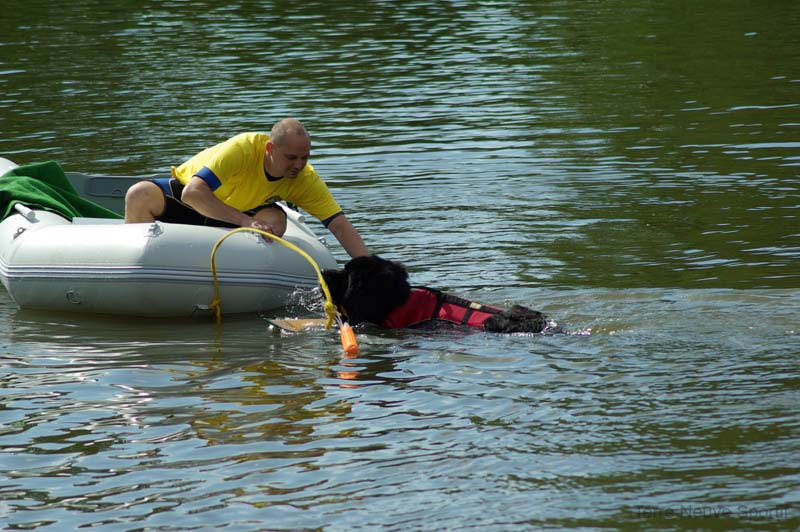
(470, 306)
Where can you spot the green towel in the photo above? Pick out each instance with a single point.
(45, 186)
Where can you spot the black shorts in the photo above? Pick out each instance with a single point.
(177, 212)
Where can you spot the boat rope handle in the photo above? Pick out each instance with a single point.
(330, 307)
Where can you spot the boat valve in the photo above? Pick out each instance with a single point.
(154, 229)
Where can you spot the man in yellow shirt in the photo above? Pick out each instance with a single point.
(237, 182)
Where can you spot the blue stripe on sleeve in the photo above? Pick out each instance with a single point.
(209, 177)
(329, 219)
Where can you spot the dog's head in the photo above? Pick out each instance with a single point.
(368, 288)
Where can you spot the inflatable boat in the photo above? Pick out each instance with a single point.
(70, 261)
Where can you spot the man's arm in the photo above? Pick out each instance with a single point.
(198, 195)
(347, 236)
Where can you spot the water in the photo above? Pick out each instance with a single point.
(629, 167)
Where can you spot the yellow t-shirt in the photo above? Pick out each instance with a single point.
(234, 170)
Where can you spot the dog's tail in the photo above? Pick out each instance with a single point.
(517, 319)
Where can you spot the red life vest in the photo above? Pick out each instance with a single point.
(426, 304)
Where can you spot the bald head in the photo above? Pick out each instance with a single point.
(286, 129)
(288, 149)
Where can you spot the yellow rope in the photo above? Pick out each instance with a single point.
(330, 308)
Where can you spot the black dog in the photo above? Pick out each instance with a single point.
(375, 290)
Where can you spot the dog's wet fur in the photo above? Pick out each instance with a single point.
(369, 288)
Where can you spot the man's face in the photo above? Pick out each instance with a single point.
(291, 157)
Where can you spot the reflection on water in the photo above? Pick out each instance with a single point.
(658, 404)
(629, 168)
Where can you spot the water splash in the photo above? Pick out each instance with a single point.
(304, 301)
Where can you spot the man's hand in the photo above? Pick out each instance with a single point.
(262, 226)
